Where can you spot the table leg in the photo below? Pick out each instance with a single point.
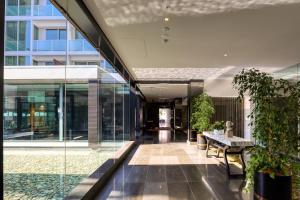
(226, 161)
(243, 162)
(207, 147)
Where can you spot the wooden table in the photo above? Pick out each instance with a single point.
(234, 145)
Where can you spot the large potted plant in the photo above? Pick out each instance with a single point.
(202, 111)
(274, 120)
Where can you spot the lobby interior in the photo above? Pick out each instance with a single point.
(110, 110)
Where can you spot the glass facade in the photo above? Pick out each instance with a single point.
(17, 36)
(18, 7)
(65, 114)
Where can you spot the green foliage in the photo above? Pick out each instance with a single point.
(296, 181)
(274, 119)
(218, 125)
(202, 110)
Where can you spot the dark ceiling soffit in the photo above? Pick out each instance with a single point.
(78, 14)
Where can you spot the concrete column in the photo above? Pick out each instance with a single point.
(61, 112)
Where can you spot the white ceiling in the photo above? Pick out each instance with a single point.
(253, 33)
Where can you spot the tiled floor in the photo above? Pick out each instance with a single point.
(172, 171)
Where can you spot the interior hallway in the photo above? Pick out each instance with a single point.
(171, 171)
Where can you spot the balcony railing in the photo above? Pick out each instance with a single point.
(18, 10)
(60, 45)
(45, 10)
(49, 45)
(80, 45)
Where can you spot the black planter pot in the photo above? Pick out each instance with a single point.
(268, 188)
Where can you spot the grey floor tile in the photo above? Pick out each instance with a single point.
(171, 180)
(155, 190)
(156, 174)
(192, 172)
(220, 189)
(201, 191)
(180, 191)
(134, 191)
(174, 173)
(137, 174)
(211, 170)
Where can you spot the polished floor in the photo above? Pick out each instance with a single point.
(172, 171)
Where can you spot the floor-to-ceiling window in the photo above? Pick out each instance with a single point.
(66, 108)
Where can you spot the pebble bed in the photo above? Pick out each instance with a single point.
(50, 173)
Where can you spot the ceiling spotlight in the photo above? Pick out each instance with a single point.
(225, 55)
(166, 19)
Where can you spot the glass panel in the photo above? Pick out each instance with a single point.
(23, 60)
(11, 60)
(52, 34)
(25, 8)
(62, 34)
(34, 153)
(45, 10)
(78, 35)
(119, 112)
(61, 121)
(108, 108)
(11, 7)
(11, 36)
(24, 36)
(36, 33)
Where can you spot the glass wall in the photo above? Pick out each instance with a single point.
(65, 112)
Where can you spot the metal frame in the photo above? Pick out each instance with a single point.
(227, 150)
(2, 30)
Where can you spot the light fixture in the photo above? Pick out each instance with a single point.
(166, 19)
(225, 55)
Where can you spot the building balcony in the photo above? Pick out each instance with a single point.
(49, 45)
(45, 10)
(80, 45)
(18, 10)
(60, 45)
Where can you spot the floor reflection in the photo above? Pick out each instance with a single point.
(164, 136)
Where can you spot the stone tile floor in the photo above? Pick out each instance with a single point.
(172, 171)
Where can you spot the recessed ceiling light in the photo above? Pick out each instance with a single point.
(166, 19)
(225, 55)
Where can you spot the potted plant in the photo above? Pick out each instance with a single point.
(218, 127)
(202, 111)
(274, 120)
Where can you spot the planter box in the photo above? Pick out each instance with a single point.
(266, 187)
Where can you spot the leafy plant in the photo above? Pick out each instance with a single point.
(274, 120)
(202, 110)
(218, 125)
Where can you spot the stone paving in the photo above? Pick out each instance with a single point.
(50, 173)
